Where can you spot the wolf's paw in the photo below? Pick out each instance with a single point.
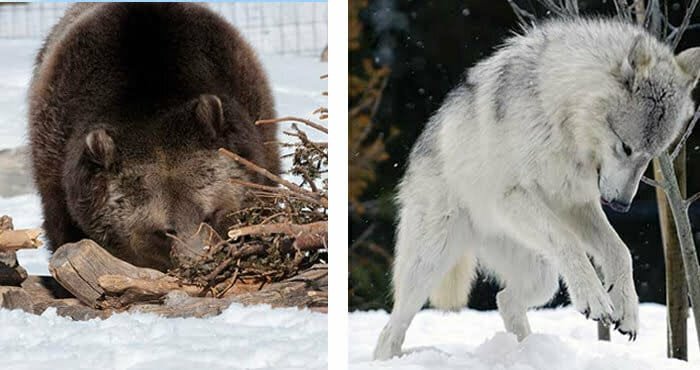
(594, 303)
(388, 345)
(626, 313)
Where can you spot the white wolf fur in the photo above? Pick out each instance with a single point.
(512, 169)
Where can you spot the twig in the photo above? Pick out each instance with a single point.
(230, 285)
(654, 183)
(684, 25)
(278, 190)
(293, 119)
(253, 167)
(691, 200)
(686, 134)
(674, 31)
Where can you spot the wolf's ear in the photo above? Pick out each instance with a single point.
(640, 58)
(210, 112)
(100, 148)
(689, 61)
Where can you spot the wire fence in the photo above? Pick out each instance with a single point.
(272, 28)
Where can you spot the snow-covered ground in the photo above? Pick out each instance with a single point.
(254, 337)
(476, 340)
(241, 338)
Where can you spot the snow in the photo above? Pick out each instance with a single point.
(255, 337)
(476, 340)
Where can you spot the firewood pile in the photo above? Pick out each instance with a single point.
(275, 253)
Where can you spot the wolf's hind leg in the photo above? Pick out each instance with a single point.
(526, 291)
(528, 280)
(428, 245)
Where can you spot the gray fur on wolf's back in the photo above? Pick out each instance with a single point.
(512, 169)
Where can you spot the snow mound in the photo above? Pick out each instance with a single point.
(253, 337)
(476, 340)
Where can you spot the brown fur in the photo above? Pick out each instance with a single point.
(128, 105)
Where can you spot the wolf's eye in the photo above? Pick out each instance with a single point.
(627, 149)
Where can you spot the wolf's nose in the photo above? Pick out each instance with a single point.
(619, 206)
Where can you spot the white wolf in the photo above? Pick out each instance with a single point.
(512, 170)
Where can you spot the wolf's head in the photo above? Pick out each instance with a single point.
(647, 109)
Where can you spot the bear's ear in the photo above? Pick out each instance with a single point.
(210, 112)
(689, 61)
(640, 58)
(100, 148)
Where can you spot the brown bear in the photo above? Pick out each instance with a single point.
(129, 103)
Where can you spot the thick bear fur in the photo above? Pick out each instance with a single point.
(128, 106)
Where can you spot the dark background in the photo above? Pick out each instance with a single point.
(427, 46)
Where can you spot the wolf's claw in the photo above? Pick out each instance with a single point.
(631, 335)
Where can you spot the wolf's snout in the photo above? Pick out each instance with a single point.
(617, 205)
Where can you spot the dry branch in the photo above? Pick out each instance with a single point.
(13, 240)
(293, 187)
(308, 236)
(277, 190)
(293, 119)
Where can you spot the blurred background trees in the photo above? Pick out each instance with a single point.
(404, 58)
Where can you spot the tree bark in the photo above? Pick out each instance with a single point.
(676, 286)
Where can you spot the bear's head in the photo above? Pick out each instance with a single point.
(137, 187)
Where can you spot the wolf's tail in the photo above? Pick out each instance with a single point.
(453, 291)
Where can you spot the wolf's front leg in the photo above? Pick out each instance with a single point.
(530, 220)
(611, 254)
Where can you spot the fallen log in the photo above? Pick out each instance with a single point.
(308, 289)
(78, 266)
(99, 280)
(123, 291)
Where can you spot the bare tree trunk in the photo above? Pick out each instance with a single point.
(679, 209)
(676, 286)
